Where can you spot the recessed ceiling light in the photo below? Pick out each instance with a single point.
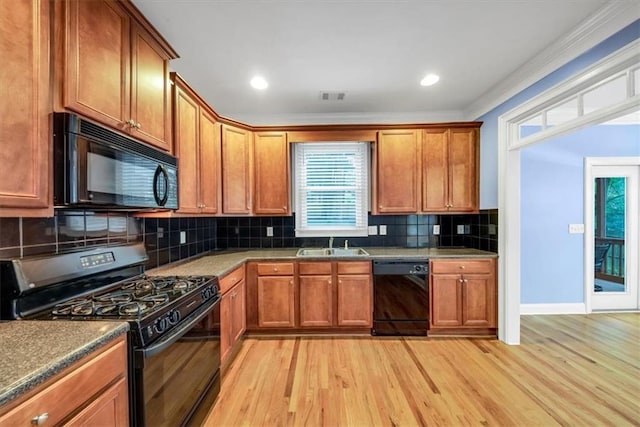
(258, 82)
(430, 79)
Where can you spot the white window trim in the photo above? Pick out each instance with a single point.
(332, 231)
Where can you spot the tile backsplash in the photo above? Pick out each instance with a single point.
(163, 237)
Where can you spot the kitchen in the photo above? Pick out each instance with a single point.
(170, 238)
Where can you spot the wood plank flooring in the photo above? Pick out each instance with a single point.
(573, 370)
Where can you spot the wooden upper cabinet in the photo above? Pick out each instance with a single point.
(25, 106)
(397, 164)
(236, 170)
(271, 174)
(463, 170)
(113, 70)
(450, 170)
(197, 145)
(150, 90)
(209, 162)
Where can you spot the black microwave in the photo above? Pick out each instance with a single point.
(95, 167)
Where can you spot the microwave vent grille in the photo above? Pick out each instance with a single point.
(104, 135)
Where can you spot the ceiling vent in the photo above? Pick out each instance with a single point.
(332, 96)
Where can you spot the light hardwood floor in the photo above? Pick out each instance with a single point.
(569, 370)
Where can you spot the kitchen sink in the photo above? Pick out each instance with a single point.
(337, 252)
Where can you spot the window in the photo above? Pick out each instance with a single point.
(331, 189)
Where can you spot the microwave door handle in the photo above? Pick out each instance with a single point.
(179, 332)
(161, 200)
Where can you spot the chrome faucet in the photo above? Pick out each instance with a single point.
(346, 244)
(330, 242)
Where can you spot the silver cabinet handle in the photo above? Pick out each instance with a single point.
(40, 419)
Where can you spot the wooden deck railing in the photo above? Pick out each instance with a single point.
(613, 265)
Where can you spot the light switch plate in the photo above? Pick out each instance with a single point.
(183, 237)
(269, 231)
(436, 229)
(492, 229)
(576, 228)
(383, 230)
(373, 230)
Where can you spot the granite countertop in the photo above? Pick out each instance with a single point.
(33, 351)
(221, 263)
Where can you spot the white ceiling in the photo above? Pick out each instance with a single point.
(376, 51)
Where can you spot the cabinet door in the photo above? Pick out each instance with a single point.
(463, 179)
(397, 157)
(272, 172)
(316, 301)
(150, 90)
(355, 300)
(209, 162)
(446, 300)
(236, 187)
(187, 135)
(25, 107)
(225, 326)
(478, 301)
(238, 312)
(435, 170)
(111, 408)
(276, 302)
(97, 49)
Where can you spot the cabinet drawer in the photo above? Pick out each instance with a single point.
(314, 268)
(275, 269)
(358, 267)
(228, 281)
(451, 266)
(62, 397)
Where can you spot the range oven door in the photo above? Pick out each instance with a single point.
(177, 379)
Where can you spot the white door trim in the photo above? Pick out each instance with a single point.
(509, 146)
(589, 162)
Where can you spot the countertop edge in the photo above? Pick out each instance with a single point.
(39, 376)
(241, 256)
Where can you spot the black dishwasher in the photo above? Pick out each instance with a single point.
(400, 297)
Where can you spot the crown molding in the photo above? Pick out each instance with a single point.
(349, 118)
(609, 19)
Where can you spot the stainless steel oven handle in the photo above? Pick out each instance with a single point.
(180, 331)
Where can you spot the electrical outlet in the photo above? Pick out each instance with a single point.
(383, 230)
(160, 233)
(183, 237)
(492, 229)
(436, 229)
(467, 229)
(269, 231)
(236, 230)
(460, 229)
(576, 228)
(373, 230)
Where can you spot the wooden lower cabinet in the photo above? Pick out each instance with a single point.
(315, 285)
(93, 391)
(276, 295)
(355, 306)
(232, 312)
(321, 295)
(463, 294)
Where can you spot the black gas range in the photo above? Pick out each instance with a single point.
(174, 322)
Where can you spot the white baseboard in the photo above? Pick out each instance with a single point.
(563, 308)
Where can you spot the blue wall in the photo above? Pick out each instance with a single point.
(552, 183)
(489, 130)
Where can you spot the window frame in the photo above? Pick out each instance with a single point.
(327, 231)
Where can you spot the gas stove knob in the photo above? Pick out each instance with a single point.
(173, 317)
(417, 268)
(207, 293)
(160, 325)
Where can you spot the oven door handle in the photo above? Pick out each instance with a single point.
(180, 331)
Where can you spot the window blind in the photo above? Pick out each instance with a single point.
(332, 189)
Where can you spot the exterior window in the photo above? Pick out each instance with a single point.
(331, 189)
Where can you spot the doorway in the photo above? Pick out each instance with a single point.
(611, 234)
